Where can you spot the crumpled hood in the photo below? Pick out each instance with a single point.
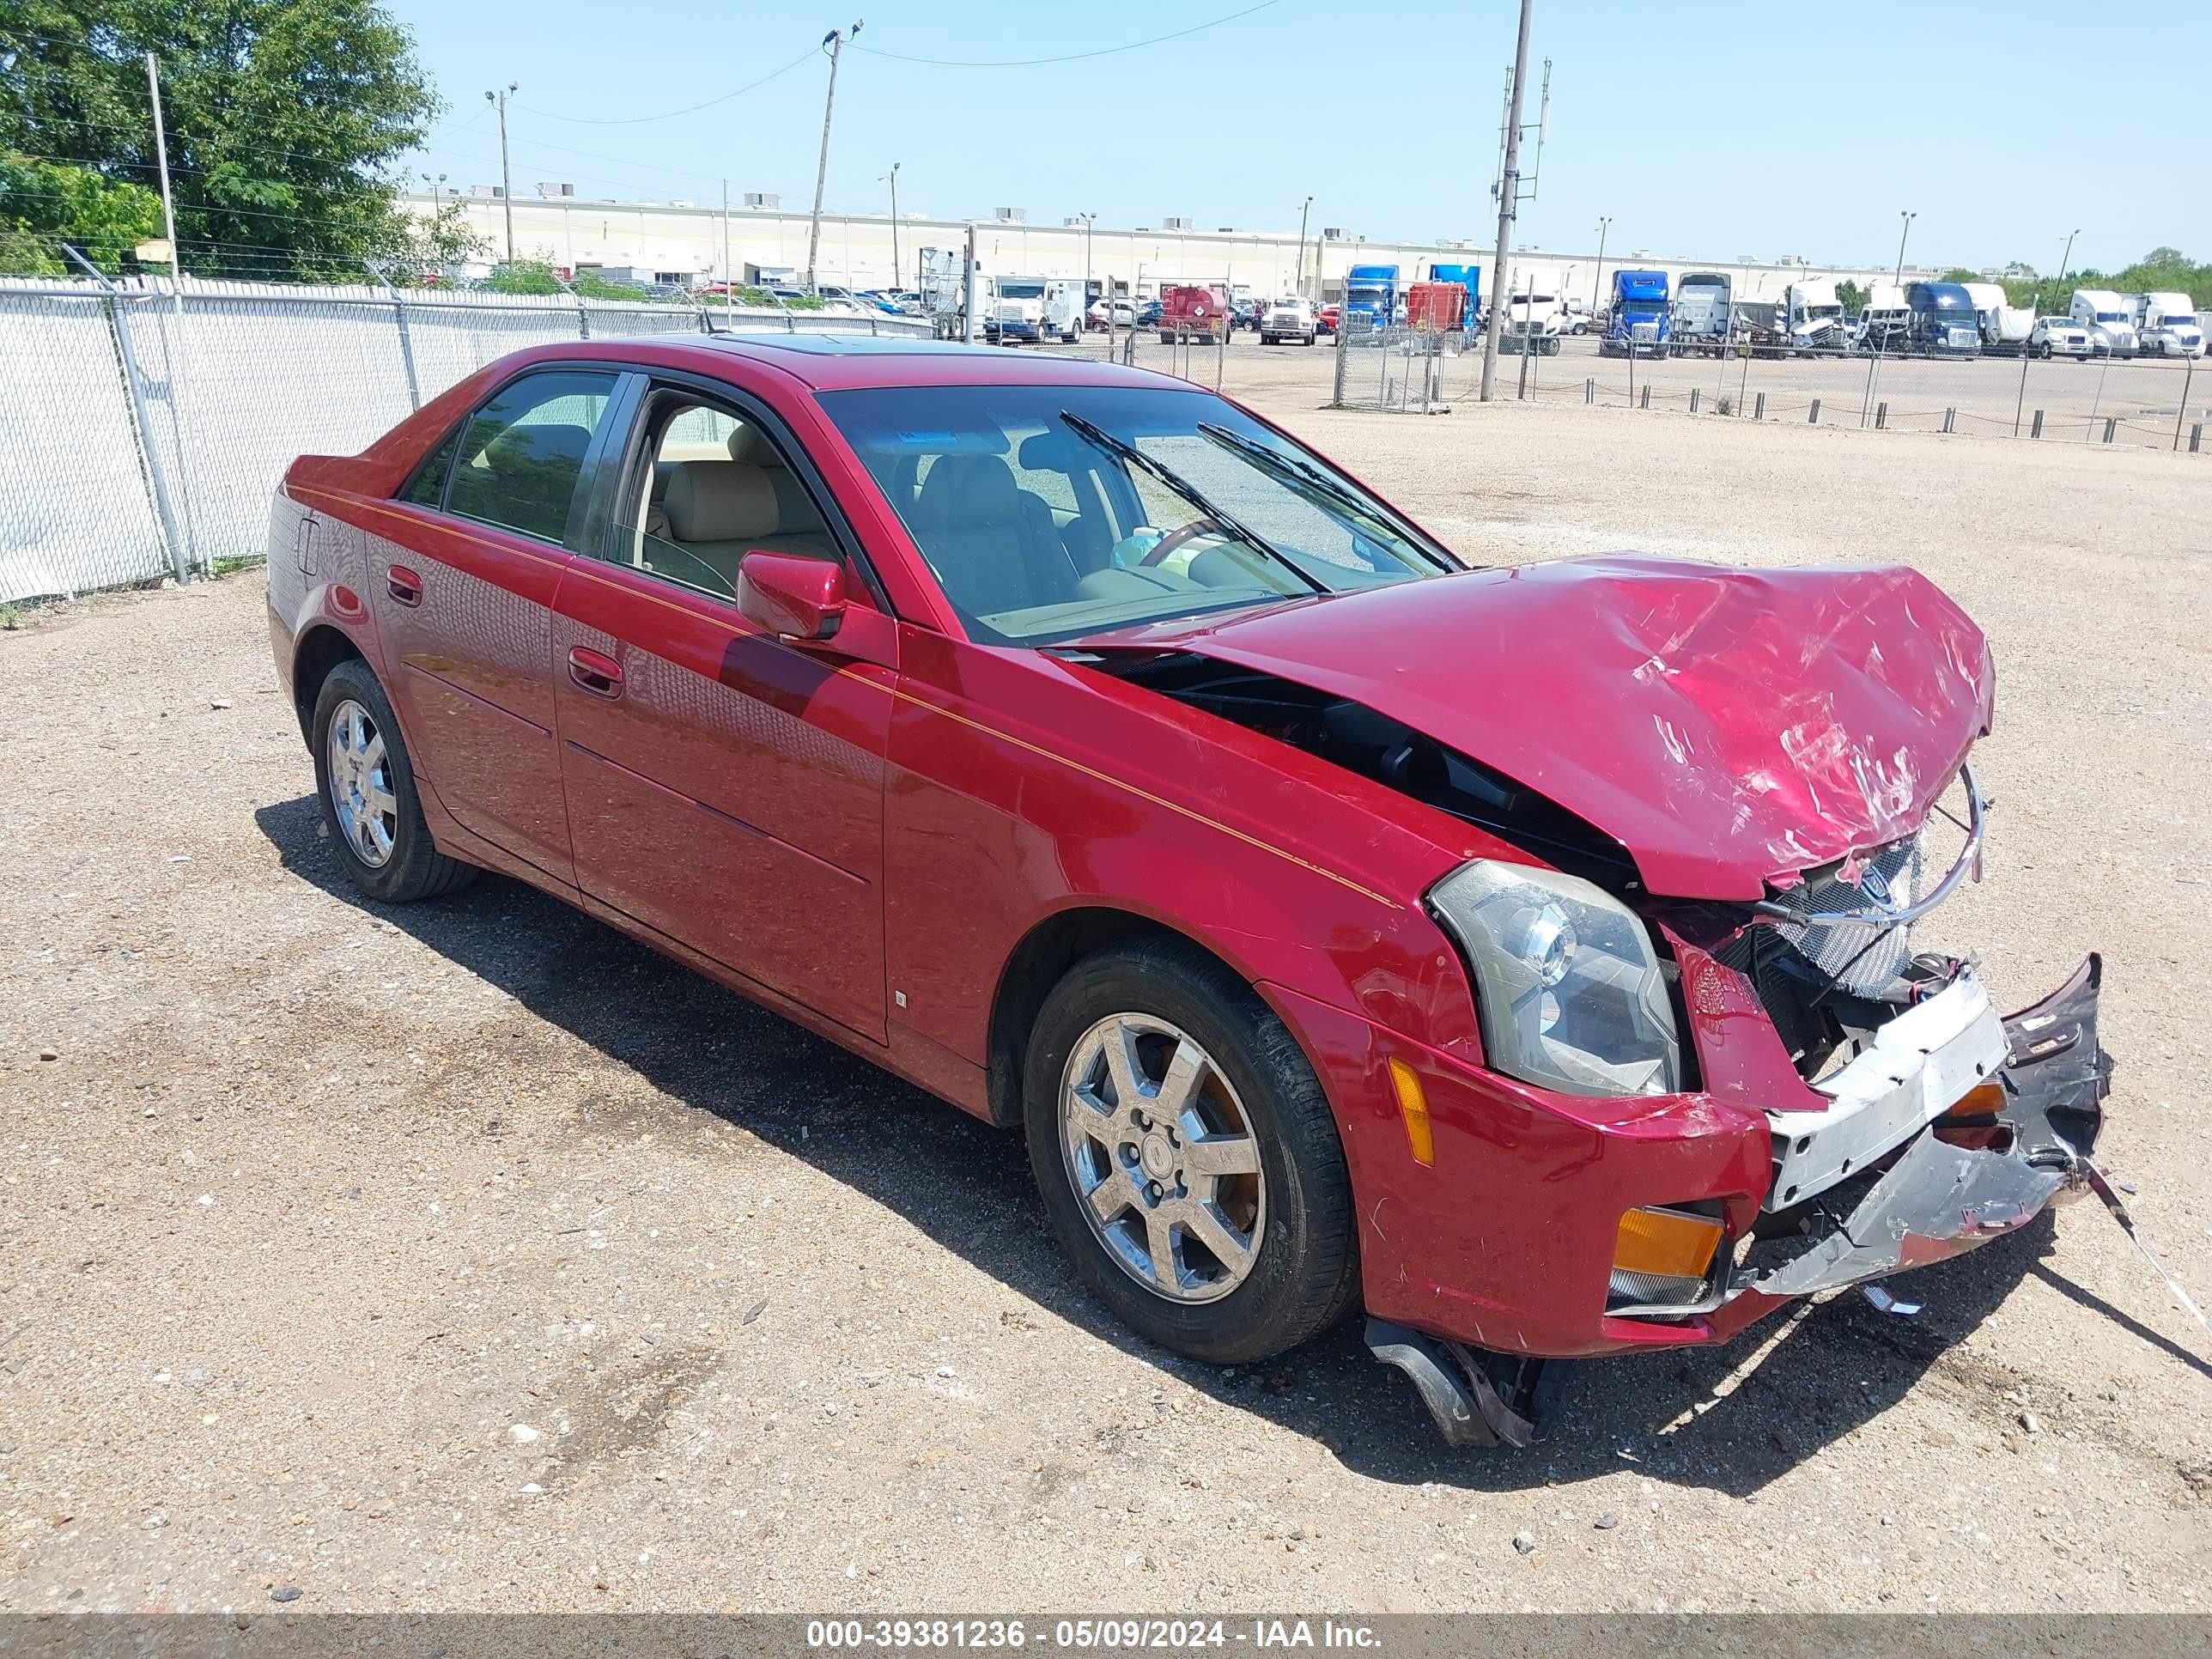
(1726, 725)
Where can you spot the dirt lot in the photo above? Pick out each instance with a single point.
(470, 1257)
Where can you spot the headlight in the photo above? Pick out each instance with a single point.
(1567, 984)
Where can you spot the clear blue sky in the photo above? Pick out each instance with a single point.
(1777, 130)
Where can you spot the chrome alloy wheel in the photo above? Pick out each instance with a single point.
(361, 800)
(1161, 1154)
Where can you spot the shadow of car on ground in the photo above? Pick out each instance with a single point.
(969, 1187)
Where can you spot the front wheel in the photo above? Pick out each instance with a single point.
(367, 788)
(1186, 1156)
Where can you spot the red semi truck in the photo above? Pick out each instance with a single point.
(1192, 313)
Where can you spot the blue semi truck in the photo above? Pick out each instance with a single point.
(1370, 294)
(1638, 322)
(1468, 278)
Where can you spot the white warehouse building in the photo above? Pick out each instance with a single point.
(760, 241)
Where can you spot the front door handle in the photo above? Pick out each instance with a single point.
(404, 586)
(598, 673)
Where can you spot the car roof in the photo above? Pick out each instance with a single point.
(847, 362)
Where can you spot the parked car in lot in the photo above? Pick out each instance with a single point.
(1090, 752)
(2062, 337)
(1290, 317)
(1148, 314)
(1325, 317)
(1106, 314)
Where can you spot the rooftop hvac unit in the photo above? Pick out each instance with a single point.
(681, 202)
(766, 199)
(1010, 216)
(1333, 232)
(1174, 223)
(486, 189)
(554, 192)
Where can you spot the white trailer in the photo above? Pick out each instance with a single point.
(2166, 326)
(2110, 319)
(1065, 304)
(1704, 319)
(2005, 326)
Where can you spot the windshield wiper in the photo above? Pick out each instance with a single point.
(1113, 446)
(1301, 475)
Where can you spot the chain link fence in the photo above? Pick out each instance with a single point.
(146, 430)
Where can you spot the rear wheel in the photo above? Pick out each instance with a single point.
(367, 789)
(1186, 1156)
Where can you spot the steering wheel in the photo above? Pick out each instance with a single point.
(1175, 538)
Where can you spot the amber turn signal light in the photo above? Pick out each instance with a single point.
(1413, 1109)
(1666, 1243)
(1982, 1100)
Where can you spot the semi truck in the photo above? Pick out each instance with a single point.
(1885, 324)
(1808, 320)
(2110, 319)
(1014, 309)
(1468, 278)
(1370, 297)
(1637, 323)
(1534, 321)
(2166, 326)
(2004, 326)
(1943, 320)
(1703, 318)
(1190, 312)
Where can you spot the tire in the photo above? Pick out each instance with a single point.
(1303, 1273)
(411, 867)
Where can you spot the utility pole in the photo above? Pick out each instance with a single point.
(2065, 259)
(1298, 270)
(729, 277)
(1089, 220)
(506, 173)
(835, 41)
(1509, 195)
(168, 202)
(1897, 279)
(892, 177)
(1597, 281)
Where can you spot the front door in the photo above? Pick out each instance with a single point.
(464, 608)
(724, 787)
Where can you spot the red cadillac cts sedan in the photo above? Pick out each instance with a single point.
(1521, 955)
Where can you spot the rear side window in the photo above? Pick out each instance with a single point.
(427, 487)
(521, 455)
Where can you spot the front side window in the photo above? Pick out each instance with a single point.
(1048, 512)
(521, 455)
(706, 486)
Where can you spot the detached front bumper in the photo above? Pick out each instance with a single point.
(1960, 1184)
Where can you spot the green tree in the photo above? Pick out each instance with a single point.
(1852, 297)
(43, 205)
(284, 117)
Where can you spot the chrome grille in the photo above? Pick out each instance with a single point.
(1864, 959)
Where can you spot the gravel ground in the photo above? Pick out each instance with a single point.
(469, 1256)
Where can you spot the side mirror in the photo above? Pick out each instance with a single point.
(791, 596)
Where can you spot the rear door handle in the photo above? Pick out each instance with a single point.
(599, 674)
(404, 586)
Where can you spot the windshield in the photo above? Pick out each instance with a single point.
(1048, 512)
(1021, 290)
(2111, 316)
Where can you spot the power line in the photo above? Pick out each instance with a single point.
(690, 109)
(1065, 58)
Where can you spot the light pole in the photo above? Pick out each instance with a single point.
(506, 175)
(1597, 276)
(835, 41)
(1298, 270)
(2065, 259)
(1089, 220)
(891, 177)
(1897, 280)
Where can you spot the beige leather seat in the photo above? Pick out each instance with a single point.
(718, 510)
(796, 514)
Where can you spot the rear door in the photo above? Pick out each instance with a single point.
(464, 606)
(725, 787)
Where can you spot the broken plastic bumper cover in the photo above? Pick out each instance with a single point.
(1945, 1195)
